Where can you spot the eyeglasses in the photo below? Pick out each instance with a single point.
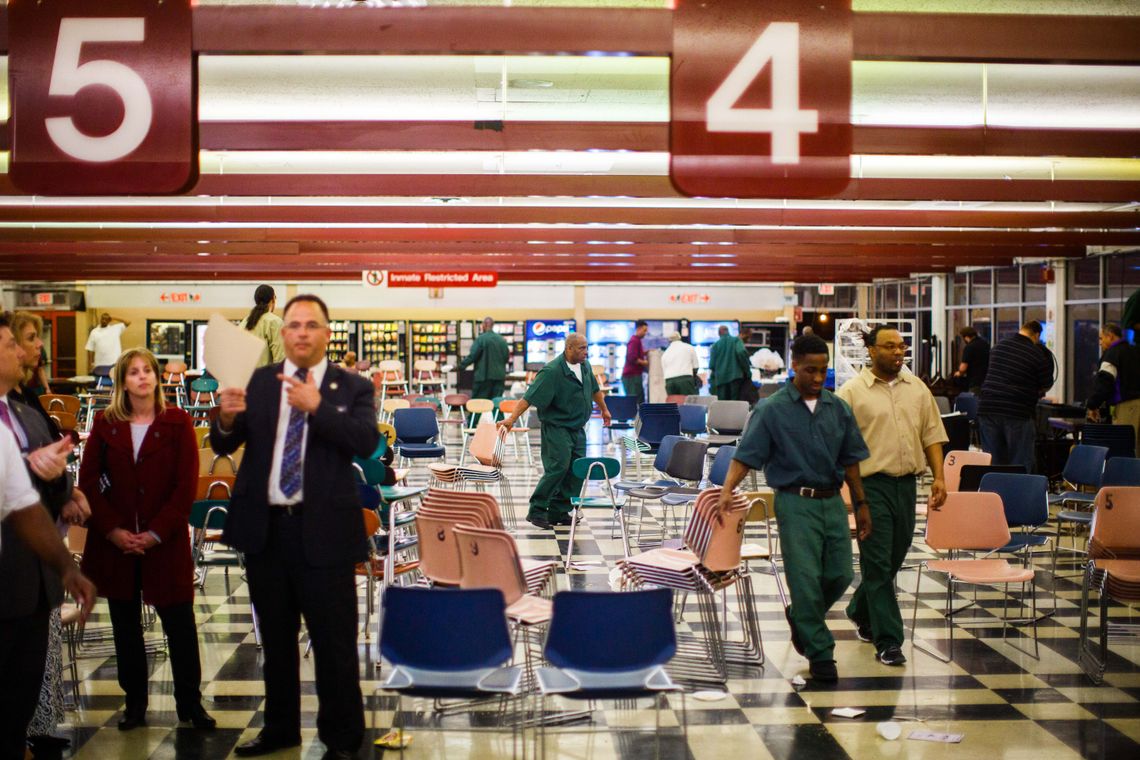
(308, 326)
(893, 347)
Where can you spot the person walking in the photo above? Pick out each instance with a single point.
(105, 342)
(679, 365)
(1117, 381)
(636, 363)
(489, 354)
(975, 359)
(728, 362)
(140, 473)
(266, 325)
(1020, 371)
(902, 427)
(807, 442)
(563, 393)
(295, 515)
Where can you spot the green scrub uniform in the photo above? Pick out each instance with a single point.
(800, 449)
(685, 385)
(728, 360)
(564, 406)
(489, 354)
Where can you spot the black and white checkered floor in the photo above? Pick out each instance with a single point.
(1005, 703)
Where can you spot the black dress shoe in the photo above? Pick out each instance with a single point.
(797, 644)
(263, 745)
(539, 522)
(824, 670)
(132, 719)
(197, 716)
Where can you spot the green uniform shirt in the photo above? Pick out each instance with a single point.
(560, 399)
(489, 354)
(796, 447)
(728, 360)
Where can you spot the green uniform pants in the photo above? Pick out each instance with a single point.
(560, 447)
(726, 392)
(633, 386)
(685, 385)
(816, 544)
(891, 503)
(487, 389)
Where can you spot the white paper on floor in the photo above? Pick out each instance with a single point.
(847, 712)
(934, 736)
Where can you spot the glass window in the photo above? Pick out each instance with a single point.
(1084, 279)
(1008, 285)
(958, 290)
(982, 320)
(1008, 322)
(1084, 348)
(1031, 275)
(980, 287)
(891, 296)
(909, 294)
(1122, 276)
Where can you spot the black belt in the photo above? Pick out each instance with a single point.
(811, 493)
(292, 510)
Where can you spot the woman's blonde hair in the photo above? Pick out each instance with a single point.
(18, 321)
(119, 410)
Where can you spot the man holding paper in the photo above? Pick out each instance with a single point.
(295, 514)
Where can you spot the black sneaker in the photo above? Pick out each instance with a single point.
(862, 632)
(796, 643)
(567, 519)
(891, 655)
(539, 522)
(824, 670)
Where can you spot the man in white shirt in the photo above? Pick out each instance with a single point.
(23, 639)
(679, 364)
(105, 343)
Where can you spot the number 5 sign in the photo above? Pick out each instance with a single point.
(761, 96)
(103, 96)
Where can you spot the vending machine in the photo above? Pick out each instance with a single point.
(381, 340)
(608, 339)
(343, 338)
(438, 341)
(702, 334)
(169, 340)
(546, 339)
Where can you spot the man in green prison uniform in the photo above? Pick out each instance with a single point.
(900, 422)
(489, 354)
(728, 360)
(806, 441)
(563, 392)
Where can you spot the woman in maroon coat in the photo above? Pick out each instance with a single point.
(140, 471)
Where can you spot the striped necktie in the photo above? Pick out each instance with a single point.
(291, 464)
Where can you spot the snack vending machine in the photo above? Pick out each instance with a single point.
(169, 340)
(342, 340)
(382, 340)
(438, 341)
(608, 339)
(546, 339)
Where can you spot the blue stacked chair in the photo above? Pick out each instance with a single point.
(693, 418)
(658, 421)
(1120, 440)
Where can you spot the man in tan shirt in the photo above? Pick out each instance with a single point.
(900, 422)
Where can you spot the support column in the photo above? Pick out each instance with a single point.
(938, 324)
(580, 307)
(1056, 338)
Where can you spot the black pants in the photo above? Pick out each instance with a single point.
(130, 649)
(23, 647)
(283, 587)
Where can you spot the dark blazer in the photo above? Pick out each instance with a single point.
(343, 426)
(153, 493)
(23, 576)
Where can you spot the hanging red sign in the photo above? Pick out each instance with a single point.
(442, 279)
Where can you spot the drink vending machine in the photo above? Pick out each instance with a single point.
(546, 339)
(382, 340)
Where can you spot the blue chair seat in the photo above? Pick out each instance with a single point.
(1079, 497)
(629, 485)
(678, 496)
(1077, 517)
(420, 450)
(454, 685)
(581, 684)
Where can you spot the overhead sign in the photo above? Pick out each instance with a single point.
(103, 96)
(690, 298)
(827, 289)
(374, 278)
(761, 98)
(442, 279)
(179, 297)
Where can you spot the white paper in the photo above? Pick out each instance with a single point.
(847, 712)
(231, 352)
(933, 736)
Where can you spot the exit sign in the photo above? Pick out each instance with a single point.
(44, 299)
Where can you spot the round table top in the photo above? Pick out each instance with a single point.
(81, 379)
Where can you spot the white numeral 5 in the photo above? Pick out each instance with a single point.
(68, 77)
(785, 121)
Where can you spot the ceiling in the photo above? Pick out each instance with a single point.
(534, 142)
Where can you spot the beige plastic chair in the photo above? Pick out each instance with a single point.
(490, 559)
(476, 408)
(426, 376)
(486, 448)
(600, 375)
(389, 406)
(1113, 570)
(954, 461)
(452, 412)
(507, 406)
(389, 378)
(972, 522)
(439, 552)
(174, 382)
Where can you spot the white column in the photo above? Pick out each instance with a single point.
(938, 324)
(1055, 294)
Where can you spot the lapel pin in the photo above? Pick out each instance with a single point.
(332, 386)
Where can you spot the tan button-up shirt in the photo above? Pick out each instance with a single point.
(898, 421)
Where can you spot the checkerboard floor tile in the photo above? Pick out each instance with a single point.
(1006, 703)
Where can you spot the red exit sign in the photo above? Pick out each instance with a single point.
(44, 299)
(690, 298)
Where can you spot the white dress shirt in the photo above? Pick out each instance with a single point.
(276, 495)
(16, 491)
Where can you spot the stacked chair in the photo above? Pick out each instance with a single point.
(1120, 440)
(684, 471)
(955, 459)
(726, 422)
(1083, 475)
(486, 448)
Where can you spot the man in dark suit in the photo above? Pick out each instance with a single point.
(295, 514)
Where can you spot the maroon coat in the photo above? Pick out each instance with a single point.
(154, 493)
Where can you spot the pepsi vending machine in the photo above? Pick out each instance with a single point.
(546, 339)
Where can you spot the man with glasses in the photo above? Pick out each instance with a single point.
(295, 514)
(900, 422)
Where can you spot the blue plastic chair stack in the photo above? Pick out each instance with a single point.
(693, 417)
(606, 645)
(417, 434)
(623, 412)
(657, 421)
(1120, 440)
(1121, 471)
(1084, 469)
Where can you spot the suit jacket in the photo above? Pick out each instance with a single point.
(152, 493)
(343, 426)
(23, 576)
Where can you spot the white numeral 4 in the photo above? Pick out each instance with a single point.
(785, 120)
(68, 77)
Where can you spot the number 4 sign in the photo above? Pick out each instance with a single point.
(103, 96)
(761, 98)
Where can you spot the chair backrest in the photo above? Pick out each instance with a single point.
(215, 487)
(175, 367)
(415, 425)
(700, 400)
(967, 403)
(456, 399)
(943, 404)
(508, 405)
(720, 464)
(717, 542)
(369, 496)
(387, 432)
(954, 460)
(1122, 471)
(204, 385)
(490, 559)
(474, 507)
(1085, 466)
(391, 369)
(480, 405)
(419, 628)
(390, 405)
(363, 366)
(596, 468)
(693, 418)
(675, 398)
(1120, 440)
(439, 553)
(372, 471)
(967, 520)
(209, 514)
(1116, 521)
(687, 462)
(76, 539)
(424, 367)
(607, 632)
(728, 417)
(215, 464)
(371, 522)
(657, 425)
(64, 420)
(52, 402)
(665, 451)
(487, 444)
(622, 408)
(970, 478)
(957, 427)
(1025, 498)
